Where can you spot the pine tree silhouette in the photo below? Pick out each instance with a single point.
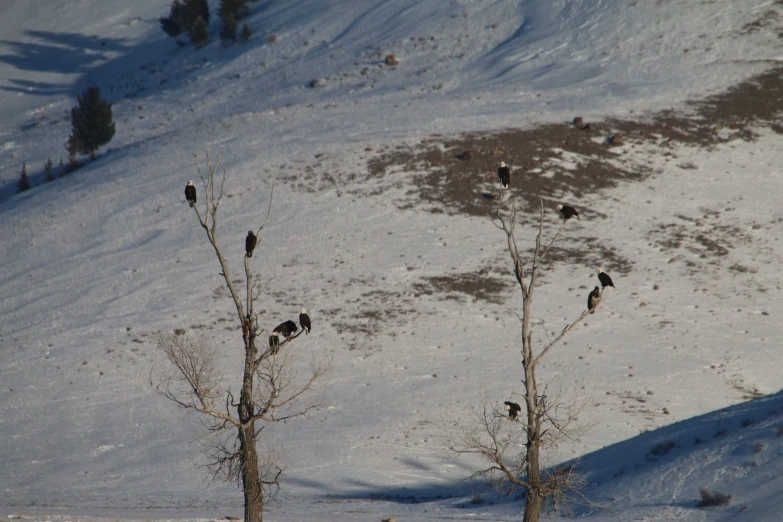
(92, 123)
(246, 33)
(24, 182)
(48, 174)
(228, 28)
(199, 34)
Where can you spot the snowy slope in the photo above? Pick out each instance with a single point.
(92, 264)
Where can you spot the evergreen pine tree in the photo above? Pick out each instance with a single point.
(92, 123)
(246, 34)
(238, 8)
(191, 11)
(61, 169)
(24, 182)
(228, 28)
(171, 24)
(199, 34)
(48, 174)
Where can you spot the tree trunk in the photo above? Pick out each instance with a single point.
(251, 483)
(254, 495)
(534, 499)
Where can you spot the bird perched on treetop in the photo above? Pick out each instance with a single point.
(190, 193)
(250, 243)
(593, 300)
(286, 329)
(274, 343)
(604, 278)
(504, 174)
(568, 212)
(304, 320)
(512, 408)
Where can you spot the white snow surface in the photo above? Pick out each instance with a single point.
(92, 264)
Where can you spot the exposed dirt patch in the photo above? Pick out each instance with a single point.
(479, 285)
(381, 311)
(705, 238)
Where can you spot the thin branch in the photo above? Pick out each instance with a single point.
(562, 334)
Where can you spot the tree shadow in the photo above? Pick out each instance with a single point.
(63, 53)
(431, 490)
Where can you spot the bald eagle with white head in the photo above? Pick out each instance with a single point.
(304, 320)
(504, 174)
(568, 212)
(604, 278)
(190, 193)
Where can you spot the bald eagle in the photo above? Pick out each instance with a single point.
(190, 193)
(286, 329)
(504, 174)
(568, 212)
(274, 343)
(304, 320)
(512, 408)
(250, 243)
(604, 278)
(593, 300)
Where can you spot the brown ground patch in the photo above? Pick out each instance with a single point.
(558, 162)
(479, 285)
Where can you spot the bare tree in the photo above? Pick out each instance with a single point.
(511, 447)
(270, 388)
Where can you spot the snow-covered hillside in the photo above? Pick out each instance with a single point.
(411, 297)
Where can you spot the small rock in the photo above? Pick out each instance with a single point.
(391, 59)
(616, 140)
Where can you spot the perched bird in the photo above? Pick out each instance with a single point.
(250, 243)
(190, 193)
(593, 300)
(512, 408)
(274, 343)
(604, 278)
(286, 329)
(504, 174)
(304, 320)
(568, 212)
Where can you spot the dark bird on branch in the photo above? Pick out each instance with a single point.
(274, 343)
(504, 174)
(568, 212)
(593, 299)
(604, 278)
(512, 408)
(286, 329)
(250, 243)
(304, 320)
(190, 193)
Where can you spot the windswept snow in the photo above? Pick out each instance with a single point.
(91, 265)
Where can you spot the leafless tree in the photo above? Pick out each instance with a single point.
(271, 391)
(512, 448)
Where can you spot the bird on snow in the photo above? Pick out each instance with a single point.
(504, 174)
(190, 193)
(286, 329)
(512, 408)
(250, 243)
(304, 320)
(568, 212)
(274, 343)
(604, 278)
(593, 300)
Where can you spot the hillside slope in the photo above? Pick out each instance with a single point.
(94, 263)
